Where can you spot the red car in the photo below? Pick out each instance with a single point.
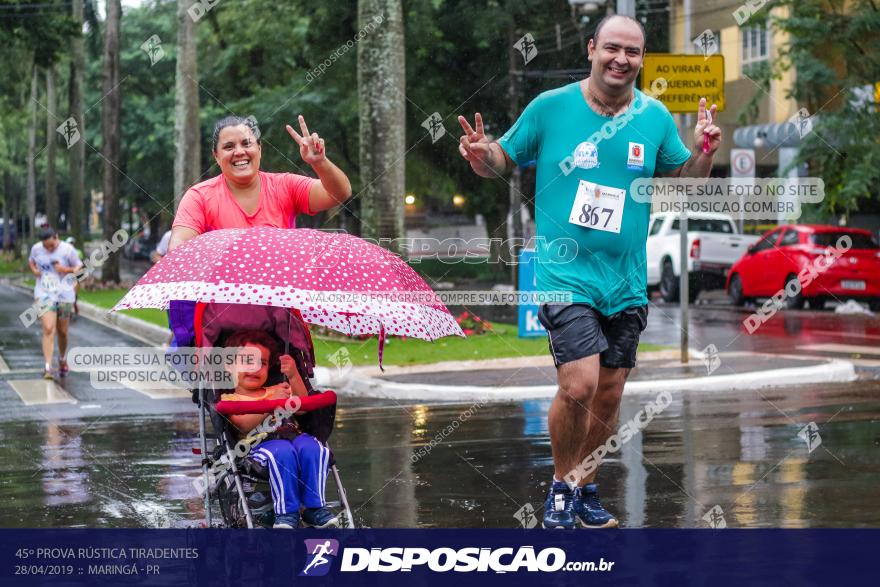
(795, 252)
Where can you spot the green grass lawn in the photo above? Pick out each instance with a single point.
(454, 269)
(10, 266)
(502, 342)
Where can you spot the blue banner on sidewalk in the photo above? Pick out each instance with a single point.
(436, 557)
(528, 313)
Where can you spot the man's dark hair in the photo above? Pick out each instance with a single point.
(46, 232)
(249, 122)
(607, 18)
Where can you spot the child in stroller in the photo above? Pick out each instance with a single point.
(297, 462)
(239, 483)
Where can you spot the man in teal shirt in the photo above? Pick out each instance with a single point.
(591, 139)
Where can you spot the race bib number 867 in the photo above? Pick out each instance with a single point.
(598, 207)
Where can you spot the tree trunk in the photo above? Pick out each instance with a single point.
(497, 229)
(187, 157)
(76, 152)
(513, 91)
(16, 220)
(7, 221)
(51, 124)
(111, 131)
(31, 164)
(381, 92)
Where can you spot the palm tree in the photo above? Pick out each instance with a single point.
(111, 132)
(76, 152)
(186, 105)
(382, 95)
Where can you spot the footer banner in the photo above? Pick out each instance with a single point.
(438, 557)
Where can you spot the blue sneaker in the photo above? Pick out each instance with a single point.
(287, 521)
(589, 510)
(558, 509)
(320, 518)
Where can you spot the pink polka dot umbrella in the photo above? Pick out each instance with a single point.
(334, 279)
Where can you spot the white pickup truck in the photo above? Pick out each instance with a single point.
(713, 246)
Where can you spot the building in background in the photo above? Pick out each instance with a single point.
(746, 49)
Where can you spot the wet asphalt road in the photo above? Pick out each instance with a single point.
(740, 452)
(120, 459)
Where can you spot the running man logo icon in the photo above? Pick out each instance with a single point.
(810, 435)
(526, 516)
(326, 253)
(253, 125)
(802, 122)
(69, 131)
(707, 43)
(711, 359)
(153, 48)
(715, 518)
(526, 46)
(434, 126)
(341, 361)
(321, 552)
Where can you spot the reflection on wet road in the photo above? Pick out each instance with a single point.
(408, 465)
(788, 331)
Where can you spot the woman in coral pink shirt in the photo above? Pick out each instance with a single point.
(243, 196)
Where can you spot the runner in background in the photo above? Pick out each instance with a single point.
(161, 248)
(52, 261)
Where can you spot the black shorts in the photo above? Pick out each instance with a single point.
(576, 331)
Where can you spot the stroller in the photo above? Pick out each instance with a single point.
(239, 484)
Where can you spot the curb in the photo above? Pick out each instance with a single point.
(542, 360)
(358, 385)
(832, 371)
(134, 327)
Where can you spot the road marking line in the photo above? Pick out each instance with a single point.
(35, 371)
(35, 392)
(157, 393)
(4, 368)
(842, 348)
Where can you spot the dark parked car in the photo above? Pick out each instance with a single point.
(13, 234)
(139, 247)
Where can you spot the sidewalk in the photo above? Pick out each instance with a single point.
(535, 377)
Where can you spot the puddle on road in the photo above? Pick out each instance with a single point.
(94, 473)
(429, 466)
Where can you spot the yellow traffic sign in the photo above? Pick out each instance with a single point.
(687, 79)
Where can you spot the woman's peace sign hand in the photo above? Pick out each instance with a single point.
(311, 146)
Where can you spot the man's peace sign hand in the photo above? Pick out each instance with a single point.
(473, 145)
(707, 136)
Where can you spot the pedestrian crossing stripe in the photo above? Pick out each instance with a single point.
(34, 392)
